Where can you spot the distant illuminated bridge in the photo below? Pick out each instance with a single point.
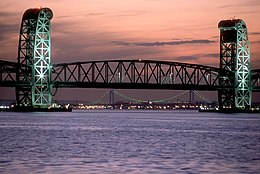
(34, 77)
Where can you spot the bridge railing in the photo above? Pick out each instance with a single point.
(136, 74)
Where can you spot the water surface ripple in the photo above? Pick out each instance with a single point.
(129, 142)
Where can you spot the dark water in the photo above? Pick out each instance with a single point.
(129, 142)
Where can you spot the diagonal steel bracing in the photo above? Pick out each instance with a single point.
(136, 74)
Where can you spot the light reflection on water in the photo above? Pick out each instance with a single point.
(129, 142)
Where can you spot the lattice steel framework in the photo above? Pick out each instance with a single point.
(234, 59)
(136, 74)
(34, 52)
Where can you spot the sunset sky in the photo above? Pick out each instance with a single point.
(172, 30)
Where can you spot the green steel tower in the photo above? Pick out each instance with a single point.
(235, 68)
(34, 51)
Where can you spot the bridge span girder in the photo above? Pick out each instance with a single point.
(69, 76)
(136, 74)
(9, 69)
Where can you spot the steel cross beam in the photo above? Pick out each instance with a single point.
(136, 74)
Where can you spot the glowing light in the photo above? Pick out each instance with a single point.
(41, 75)
(39, 6)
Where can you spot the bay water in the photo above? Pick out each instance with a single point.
(129, 141)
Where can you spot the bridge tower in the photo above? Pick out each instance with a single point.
(191, 96)
(111, 97)
(235, 67)
(34, 51)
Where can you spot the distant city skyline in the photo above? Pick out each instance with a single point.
(171, 30)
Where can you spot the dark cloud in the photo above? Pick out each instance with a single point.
(95, 14)
(8, 24)
(7, 30)
(244, 4)
(240, 12)
(254, 33)
(194, 57)
(213, 55)
(10, 28)
(129, 14)
(255, 42)
(198, 56)
(84, 15)
(4, 14)
(186, 58)
(188, 38)
(123, 14)
(158, 43)
(66, 16)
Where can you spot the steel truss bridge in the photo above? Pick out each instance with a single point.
(34, 77)
(127, 74)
